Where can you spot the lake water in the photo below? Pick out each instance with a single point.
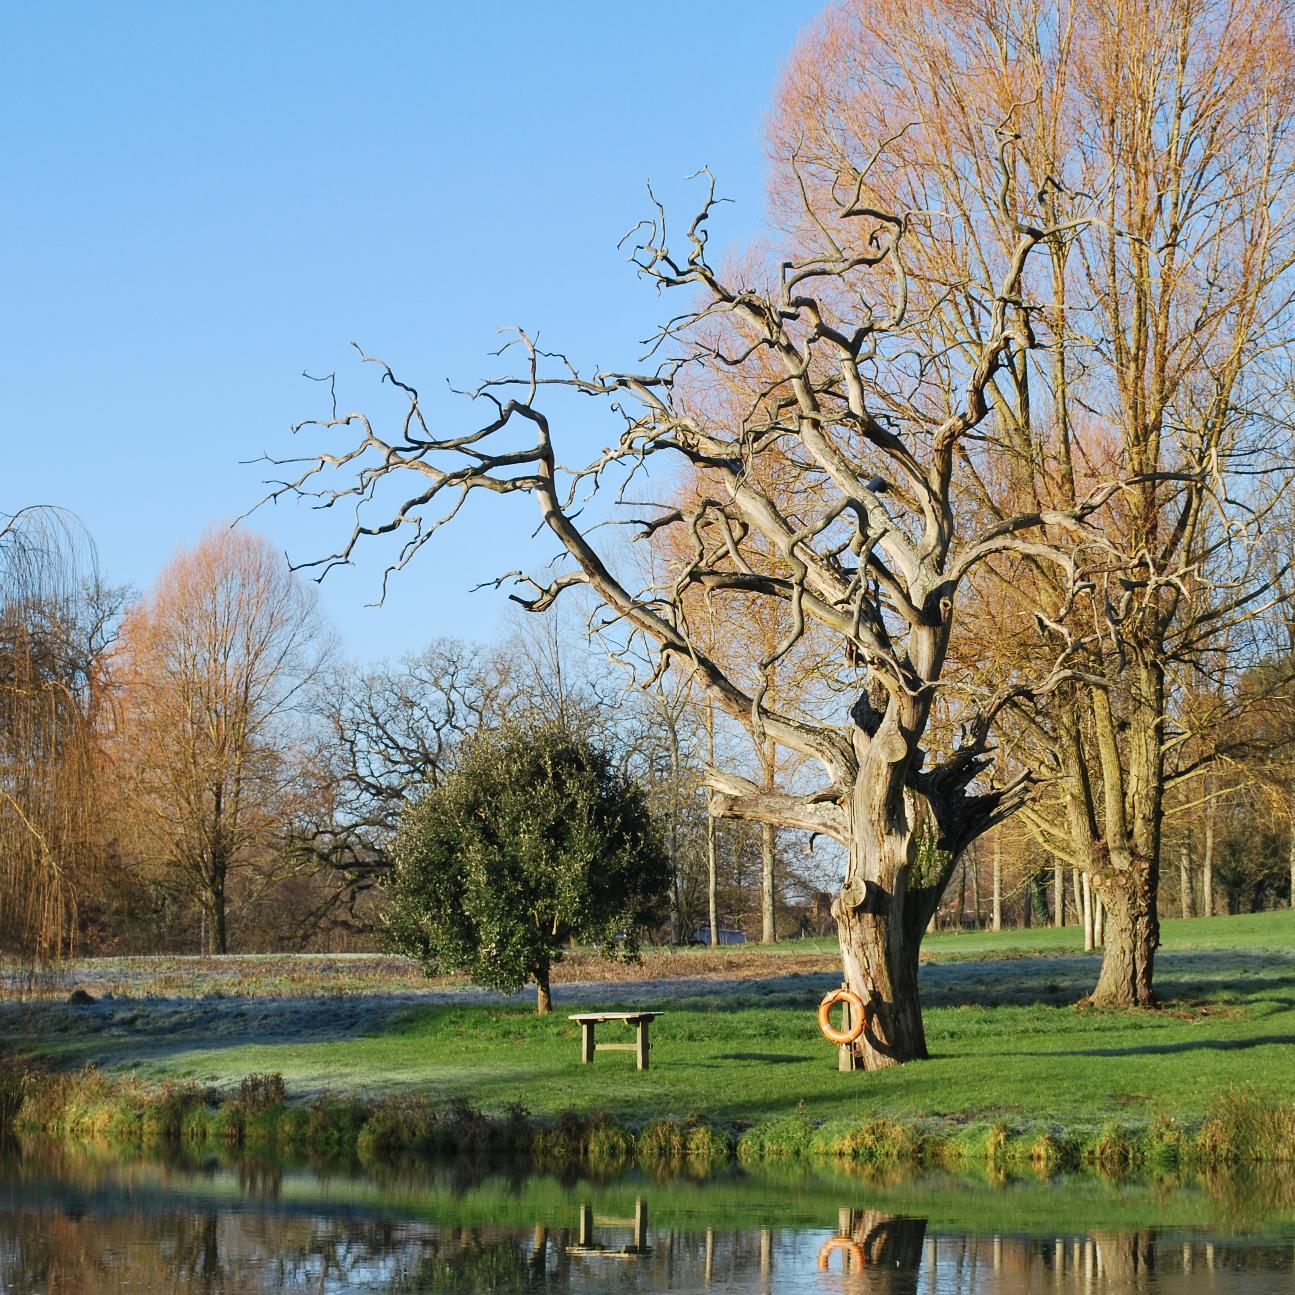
(73, 1221)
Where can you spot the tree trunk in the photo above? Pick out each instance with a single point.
(768, 932)
(974, 854)
(1185, 880)
(1090, 940)
(1129, 937)
(1099, 920)
(1117, 983)
(1291, 858)
(712, 882)
(996, 911)
(880, 920)
(543, 999)
(1207, 861)
(1058, 893)
(216, 896)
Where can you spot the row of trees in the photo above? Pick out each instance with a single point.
(986, 449)
(194, 768)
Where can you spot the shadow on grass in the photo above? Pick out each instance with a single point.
(1187, 1045)
(768, 1058)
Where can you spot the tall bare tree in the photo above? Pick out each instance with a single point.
(51, 695)
(214, 665)
(874, 552)
(1155, 348)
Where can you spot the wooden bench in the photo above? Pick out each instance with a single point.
(589, 1022)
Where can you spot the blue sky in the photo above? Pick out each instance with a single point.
(204, 200)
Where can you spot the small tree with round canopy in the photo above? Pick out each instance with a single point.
(534, 840)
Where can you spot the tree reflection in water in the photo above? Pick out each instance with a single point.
(253, 1231)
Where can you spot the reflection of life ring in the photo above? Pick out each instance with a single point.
(855, 1257)
(858, 1018)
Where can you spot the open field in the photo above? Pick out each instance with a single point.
(739, 1041)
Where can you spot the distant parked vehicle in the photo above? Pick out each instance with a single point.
(727, 935)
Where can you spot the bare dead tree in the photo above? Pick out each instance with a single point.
(871, 553)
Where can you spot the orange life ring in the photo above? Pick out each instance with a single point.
(853, 1250)
(857, 1016)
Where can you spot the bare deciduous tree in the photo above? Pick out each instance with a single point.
(213, 665)
(1156, 347)
(874, 552)
(51, 691)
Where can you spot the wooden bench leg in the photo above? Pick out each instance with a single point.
(643, 1045)
(586, 1041)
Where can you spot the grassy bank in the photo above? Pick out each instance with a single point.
(1014, 1062)
(1243, 1129)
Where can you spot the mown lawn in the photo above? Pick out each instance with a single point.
(1007, 1044)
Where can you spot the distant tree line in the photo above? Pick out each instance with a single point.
(194, 769)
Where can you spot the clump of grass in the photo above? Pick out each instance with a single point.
(582, 1139)
(669, 1145)
(1247, 1127)
(1113, 1151)
(785, 1139)
(400, 1124)
(15, 1082)
(171, 1110)
(259, 1093)
(1053, 1154)
(1166, 1146)
(875, 1142)
(608, 1148)
(995, 1148)
(333, 1123)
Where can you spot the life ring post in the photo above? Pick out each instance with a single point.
(851, 1028)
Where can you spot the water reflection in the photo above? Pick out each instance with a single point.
(71, 1225)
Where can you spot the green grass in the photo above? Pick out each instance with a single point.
(1008, 1047)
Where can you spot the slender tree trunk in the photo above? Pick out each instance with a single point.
(768, 931)
(996, 912)
(1291, 859)
(1099, 920)
(712, 831)
(974, 854)
(543, 998)
(216, 898)
(1027, 905)
(1077, 885)
(1058, 893)
(712, 881)
(1090, 941)
(1185, 879)
(1207, 861)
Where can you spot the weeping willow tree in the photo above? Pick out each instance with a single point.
(48, 699)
